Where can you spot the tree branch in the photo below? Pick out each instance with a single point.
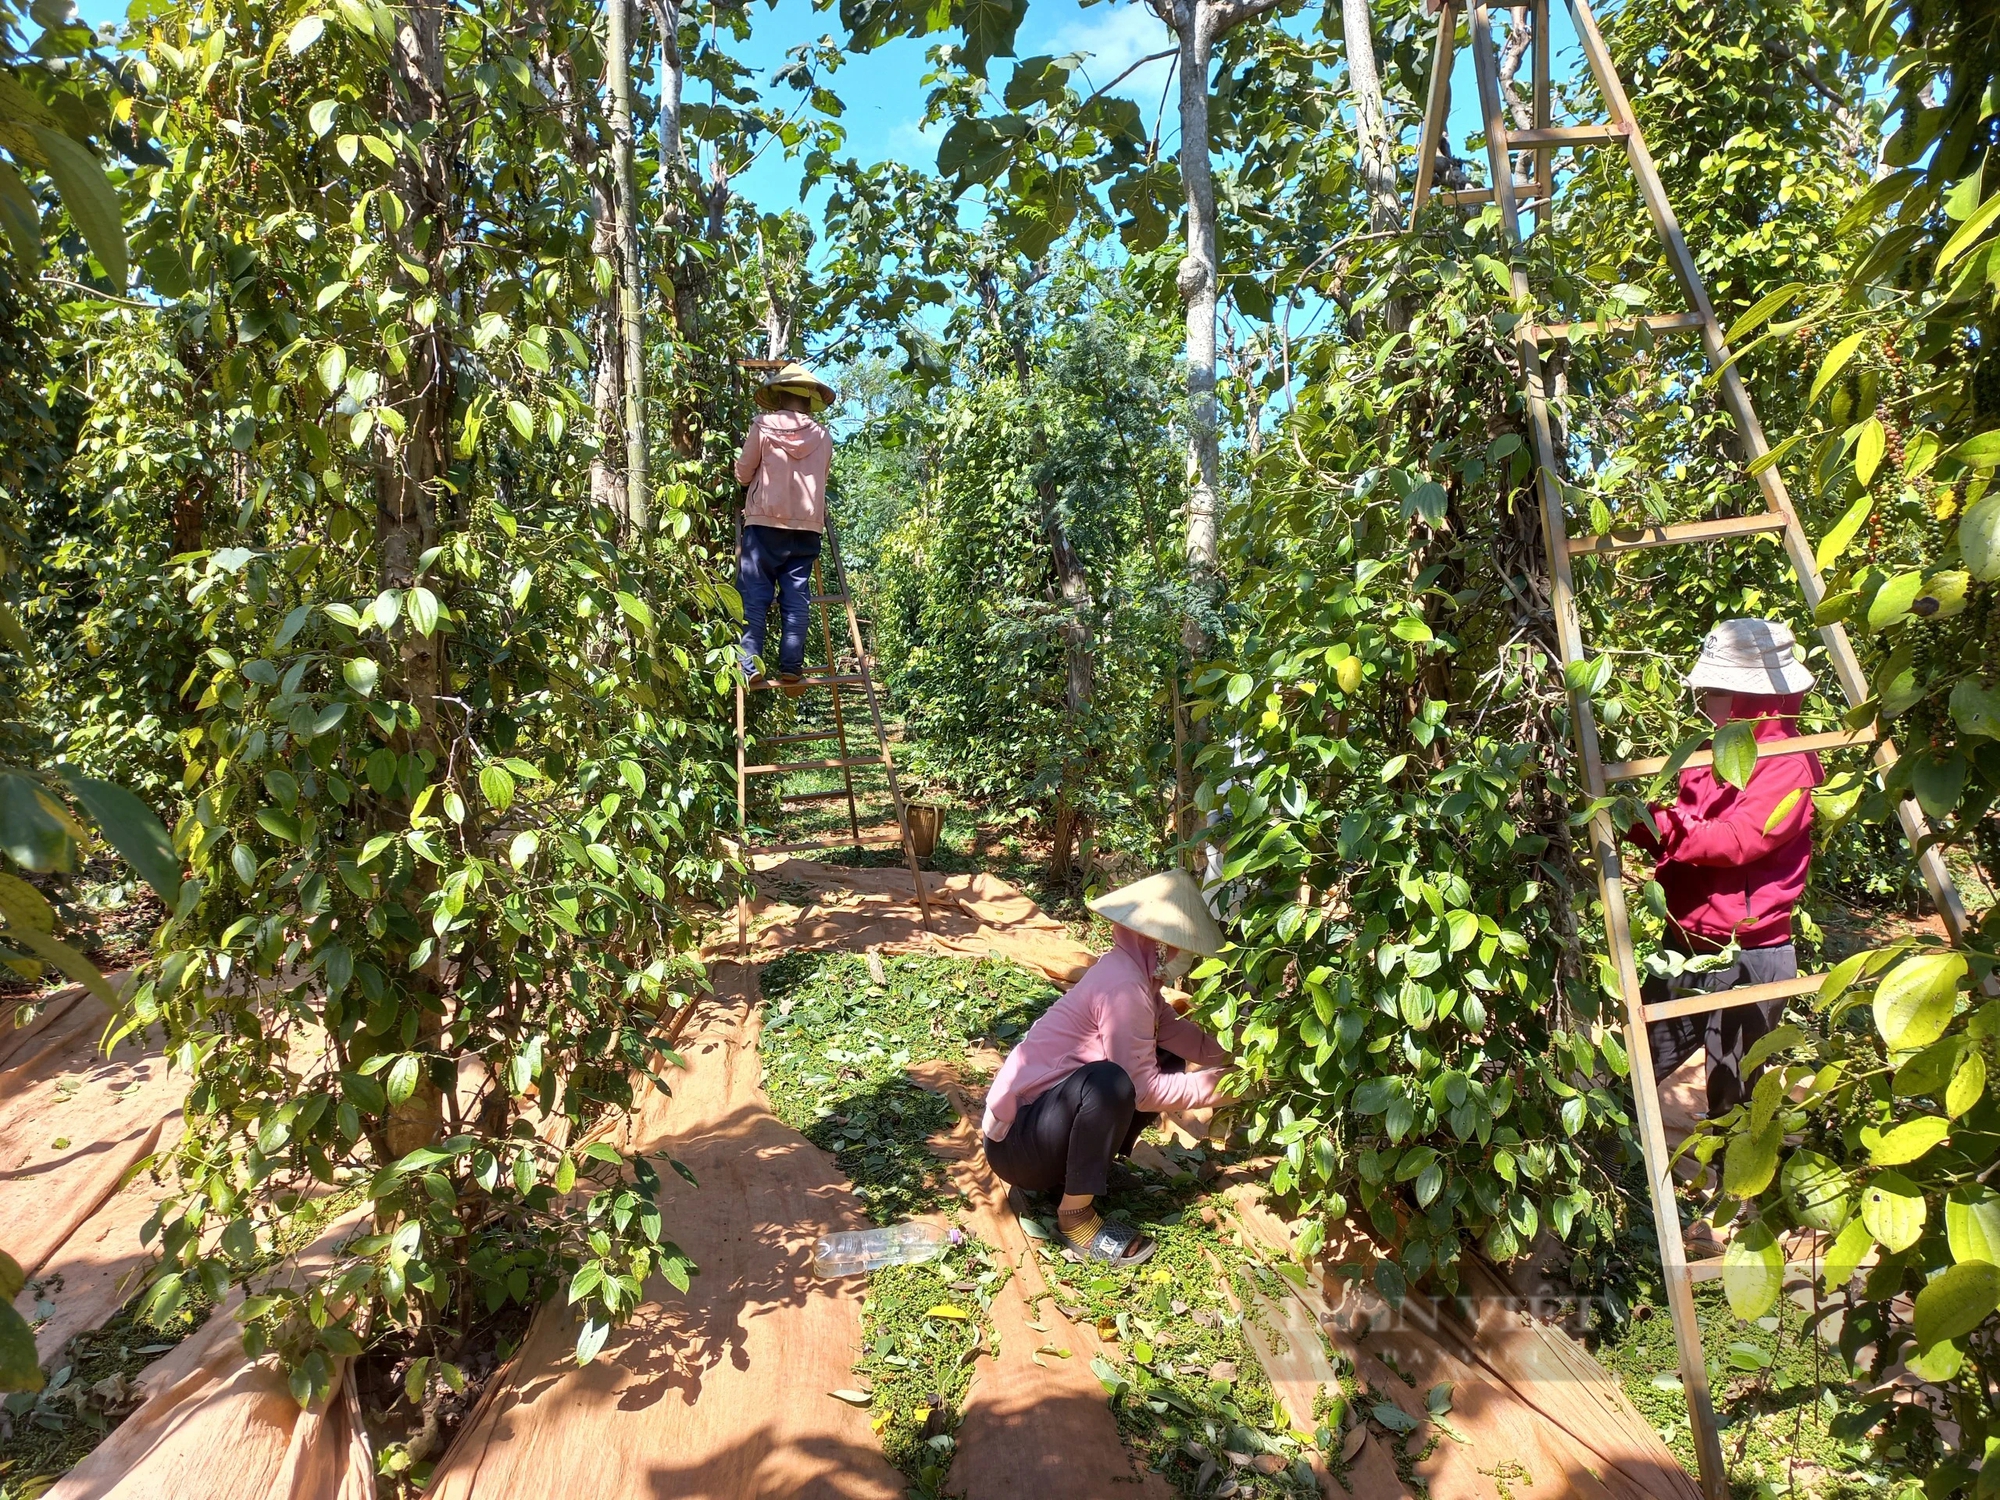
(1230, 14)
(1097, 94)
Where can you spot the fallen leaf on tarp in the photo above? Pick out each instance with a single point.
(1356, 1436)
(1393, 1417)
(1223, 1371)
(1267, 1463)
(948, 1310)
(853, 1398)
(1052, 1349)
(1107, 1329)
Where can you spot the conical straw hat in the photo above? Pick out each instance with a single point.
(1168, 907)
(798, 380)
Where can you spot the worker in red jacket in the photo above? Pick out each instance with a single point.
(1730, 869)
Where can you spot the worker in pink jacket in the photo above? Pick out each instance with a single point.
(1101, 1062)
(1730, 868)
(784, 462)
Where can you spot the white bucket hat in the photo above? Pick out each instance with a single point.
(1168, 907)
(1750, 656)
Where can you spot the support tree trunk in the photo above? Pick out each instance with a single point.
(680, 277)
(1197, 25)
(1371, 123)
(607, 384)
(1196, 283)
(631, 285)
(1079, 642)
(410, 468)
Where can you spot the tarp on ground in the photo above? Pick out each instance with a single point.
(805, 905)
(73, 1124)
(725, 1390)
(218, 1426)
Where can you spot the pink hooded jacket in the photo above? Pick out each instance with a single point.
(1723, 873)
(1114, 1013)
(784, 461)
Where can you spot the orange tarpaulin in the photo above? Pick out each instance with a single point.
(724, 1391)
(73, 1123)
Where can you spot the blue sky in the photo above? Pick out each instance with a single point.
(883, 90)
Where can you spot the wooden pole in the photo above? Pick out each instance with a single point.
(826, 597)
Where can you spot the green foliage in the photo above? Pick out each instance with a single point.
(923, 1330)
(1185, 1381)
(1022, 600)
(55, 96)
(1890, 1132)
(446, 746)
(1788, 1427)
(1387, 770)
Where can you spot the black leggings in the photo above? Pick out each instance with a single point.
(1066, 1139)
(1723, 1035)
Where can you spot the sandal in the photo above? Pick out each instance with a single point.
(1109, 1245)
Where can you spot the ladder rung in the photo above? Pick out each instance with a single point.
(829, 598)
(1567, 135)
(794, 739)
(1798, 744)
(1743, 994)
(837, 763)
(811, 680)
(1556, 333)
(1528, 192)
(1626, 539)
(846, 842)
(838, 794)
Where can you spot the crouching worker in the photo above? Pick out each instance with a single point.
(784, 463)
(1103, 1061)
(1731, 869)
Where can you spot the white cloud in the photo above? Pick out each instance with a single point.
(1116, 36)
(913, 140)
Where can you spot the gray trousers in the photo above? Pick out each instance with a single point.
(1724, 1035)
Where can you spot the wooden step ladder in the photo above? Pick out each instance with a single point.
(834, 678)
(1539, 144)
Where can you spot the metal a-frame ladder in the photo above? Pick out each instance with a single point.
(831, 678)
(1541, 142)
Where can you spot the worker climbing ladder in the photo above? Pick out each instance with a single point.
(1538, 146)
(835, 676)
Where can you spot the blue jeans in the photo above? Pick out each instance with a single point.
(776, 559)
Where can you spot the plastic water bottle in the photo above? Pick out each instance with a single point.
(857, 1250)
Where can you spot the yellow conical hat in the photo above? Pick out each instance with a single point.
(1169, 907)
(798, 380)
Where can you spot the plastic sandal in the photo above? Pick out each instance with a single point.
(1111, 1242)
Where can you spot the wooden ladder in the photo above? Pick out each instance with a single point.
(1778, 517)
(831, 678)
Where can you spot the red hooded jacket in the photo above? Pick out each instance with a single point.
(1723, 873)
